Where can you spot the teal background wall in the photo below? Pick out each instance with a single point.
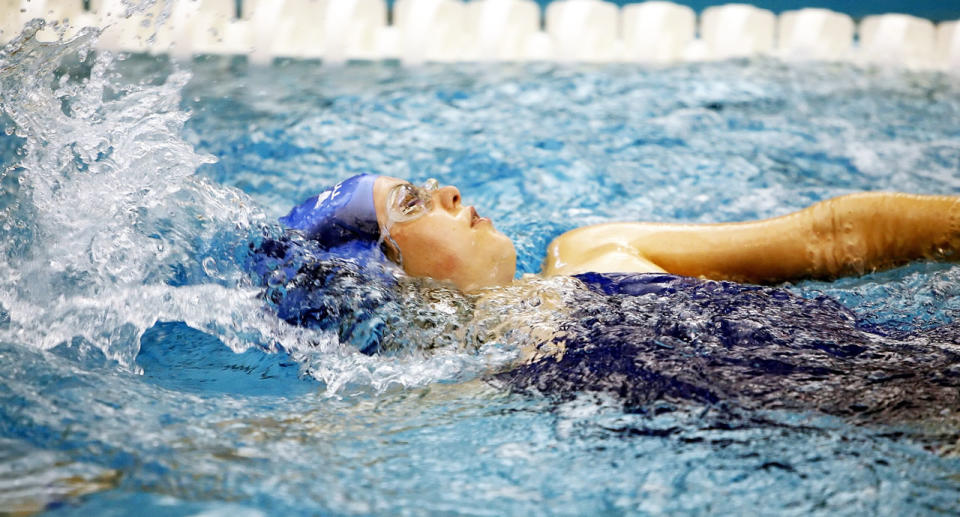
(937, 10)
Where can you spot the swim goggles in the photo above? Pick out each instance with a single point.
(407, 202)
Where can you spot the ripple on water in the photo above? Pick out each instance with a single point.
(124, 289)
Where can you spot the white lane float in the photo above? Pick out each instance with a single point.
(64, 18)
(737, 30)
(500, 30)
(163, 27)
(948, 46)
(657, 32)
(335, 30)
(213, 28)
(584, 30)
(815, 34)
(897, 39)
(421, 31)
(10, 22)
(430, 30)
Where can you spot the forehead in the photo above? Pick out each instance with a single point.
(381, 189)
(388, 182)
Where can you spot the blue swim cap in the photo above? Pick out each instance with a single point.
(341, 214)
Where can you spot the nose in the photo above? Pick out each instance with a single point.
(449, 197)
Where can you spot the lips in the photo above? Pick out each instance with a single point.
(475, 218)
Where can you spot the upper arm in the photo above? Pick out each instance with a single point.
(600, 249)
(762, 251)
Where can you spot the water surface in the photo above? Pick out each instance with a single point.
(141, 369)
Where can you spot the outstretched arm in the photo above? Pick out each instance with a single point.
(847, 235)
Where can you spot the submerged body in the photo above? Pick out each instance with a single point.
(653, 339)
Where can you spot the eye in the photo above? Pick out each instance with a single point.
(408, 201)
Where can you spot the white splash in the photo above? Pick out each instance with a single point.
(107, 229)
(108, 208)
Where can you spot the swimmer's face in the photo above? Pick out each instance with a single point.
(446, 240)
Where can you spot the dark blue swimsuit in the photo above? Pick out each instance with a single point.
(654, 338)
(649, 338)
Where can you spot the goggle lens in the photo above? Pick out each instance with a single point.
(407, 202)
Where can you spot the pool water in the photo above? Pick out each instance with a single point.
(142, 369)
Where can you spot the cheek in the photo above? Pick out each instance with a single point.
(441, 263)
(428, 253)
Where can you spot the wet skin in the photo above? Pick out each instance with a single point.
(449, 242)
(847, 235)
(852, 234)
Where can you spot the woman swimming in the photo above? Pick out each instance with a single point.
(638, 323)
(431, 233)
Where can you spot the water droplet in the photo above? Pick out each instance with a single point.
(277, 278)
(209, 266)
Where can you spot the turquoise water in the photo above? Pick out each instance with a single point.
(140, 370)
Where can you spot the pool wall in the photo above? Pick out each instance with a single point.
(416, 31)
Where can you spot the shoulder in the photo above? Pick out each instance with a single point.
(602, 248)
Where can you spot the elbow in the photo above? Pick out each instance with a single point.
(839, 243)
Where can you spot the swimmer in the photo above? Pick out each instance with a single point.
(592, 326)
(430, 232)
